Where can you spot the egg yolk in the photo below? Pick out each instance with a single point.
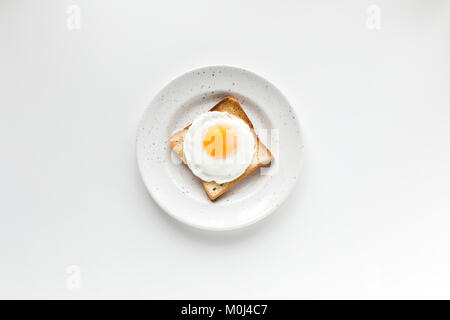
(220, 141)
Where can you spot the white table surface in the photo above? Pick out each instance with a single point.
(369, 218)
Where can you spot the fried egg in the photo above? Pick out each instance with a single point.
(218, 147)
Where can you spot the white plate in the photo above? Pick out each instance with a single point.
(176, 190)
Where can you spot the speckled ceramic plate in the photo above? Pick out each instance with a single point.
(176, 190)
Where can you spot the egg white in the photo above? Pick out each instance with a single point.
(209, 168)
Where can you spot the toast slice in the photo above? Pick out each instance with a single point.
(262, 155)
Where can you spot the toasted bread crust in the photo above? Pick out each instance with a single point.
(262, 156)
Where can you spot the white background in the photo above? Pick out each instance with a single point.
(369, 217)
